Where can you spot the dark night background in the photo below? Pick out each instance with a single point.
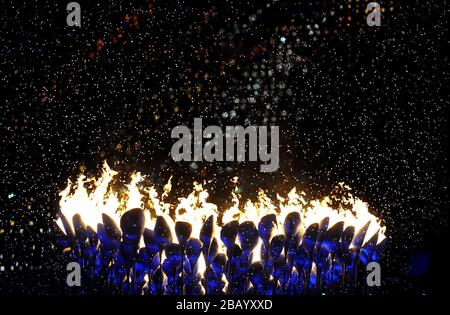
(359, 104)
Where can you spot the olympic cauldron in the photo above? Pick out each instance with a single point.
(134, 242)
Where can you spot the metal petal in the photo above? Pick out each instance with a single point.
(228, 233)
(183, 231)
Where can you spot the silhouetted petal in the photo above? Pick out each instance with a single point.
(258, 277)
(183, 232)
(228, 233)
(154, 264)
(61, 238)
(310, 237)
(141, 267)
(295, 282)
(173, 253)
(350, 260)
(111, 229)
(291, 225)
(292, 249)
(163, 236)
(108, 243)
(92, 236)
(218, 264)
(279, 265)
(172, 265)
(302, 260)
(207, 231)
(157, 279)
(132, 224)
(68, 229)
(276, 246)
(347, 237)
(333, 236)
(379, 248)
(320, 258)
(80, 229)
(150, 242)
(333, 272)
(266, 226)
(93, 240)
(363, 257)
(248, 236)
(193, 251)
(323, 227)
(235, 259)
(211, 282)
(368, 249)
(358, 239)
(213, 250)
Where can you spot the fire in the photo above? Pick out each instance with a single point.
(91, 197)
(76, 198)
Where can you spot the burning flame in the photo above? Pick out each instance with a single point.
(91, 197)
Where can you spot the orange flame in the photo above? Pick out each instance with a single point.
(90, 197)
